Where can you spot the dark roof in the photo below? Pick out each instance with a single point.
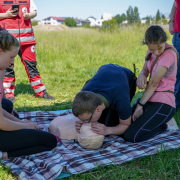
(87, 21)
(91, 17)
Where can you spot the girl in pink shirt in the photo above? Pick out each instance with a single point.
(157, 105)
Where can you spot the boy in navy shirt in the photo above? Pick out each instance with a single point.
(106, 98)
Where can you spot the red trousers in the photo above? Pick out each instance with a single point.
(28, 58)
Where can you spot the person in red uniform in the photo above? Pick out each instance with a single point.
(19, 25)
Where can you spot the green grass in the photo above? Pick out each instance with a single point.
(66, 59)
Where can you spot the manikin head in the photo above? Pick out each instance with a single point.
(64, 128)
(88, 139)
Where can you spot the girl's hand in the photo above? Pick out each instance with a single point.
(31, 126)
(99, 128)
(10, 13)
(138, 112)
(141, 81)
(78, 125)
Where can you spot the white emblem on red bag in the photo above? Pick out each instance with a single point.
(24, 10)
(33, 49)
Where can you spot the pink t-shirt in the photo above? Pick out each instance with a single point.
(177, 17)
(169, 60)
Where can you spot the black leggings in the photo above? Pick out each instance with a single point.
(26, 142)
(150, 123)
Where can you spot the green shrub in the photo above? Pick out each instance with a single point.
(70, 22)
(87, 25)
(34, 23)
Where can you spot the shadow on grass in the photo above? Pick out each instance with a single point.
(23, 88)
(53, 107)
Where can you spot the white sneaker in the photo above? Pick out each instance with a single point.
(172, 125)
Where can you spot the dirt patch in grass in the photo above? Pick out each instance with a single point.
(48, 27)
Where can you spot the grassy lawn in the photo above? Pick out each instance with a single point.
(66, 59)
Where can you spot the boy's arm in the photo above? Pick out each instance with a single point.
(117, 130)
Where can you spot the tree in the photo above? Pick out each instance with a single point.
(130, 15)
(158, 17)
(123, 17)
(136, 14)
(163, 16)
(113, 21)
(164, 21)
(70, 22)
(148, 18)
(118, 18)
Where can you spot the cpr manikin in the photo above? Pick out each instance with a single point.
(64, 128)
(88, 139)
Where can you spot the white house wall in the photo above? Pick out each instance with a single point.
(51, 21)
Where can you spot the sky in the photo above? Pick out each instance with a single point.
(82, 9)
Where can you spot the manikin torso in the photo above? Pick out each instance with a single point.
(64, 128)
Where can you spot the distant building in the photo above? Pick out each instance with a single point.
(61, 20)
(99, 22)
(143, 21)
(91, 17)
(92, 20)
(80, 22)
(53, 20)
(125, 22)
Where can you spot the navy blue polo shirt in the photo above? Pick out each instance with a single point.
(113, 82)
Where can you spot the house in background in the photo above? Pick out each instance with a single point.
(99, 22)
(53, 20)
(143, 21)
(125, 22)
(80, 22)
(92, 20)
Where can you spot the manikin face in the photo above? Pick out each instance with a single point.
(156, 49)
(92, 117)
(7, 57)
(88, 139)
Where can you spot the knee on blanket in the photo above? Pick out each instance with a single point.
(52, 141)
(128, 136)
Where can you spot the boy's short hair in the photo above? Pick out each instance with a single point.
(85, 102)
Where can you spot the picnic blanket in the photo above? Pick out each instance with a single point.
(72, 158)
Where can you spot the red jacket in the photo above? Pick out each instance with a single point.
(17, 26)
